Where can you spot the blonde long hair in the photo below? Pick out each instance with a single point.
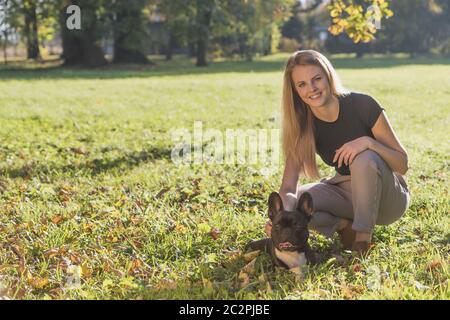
(297, 124)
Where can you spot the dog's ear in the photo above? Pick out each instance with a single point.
(305, 205)
(275, 205)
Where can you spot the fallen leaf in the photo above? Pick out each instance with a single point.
(251, 255)
(356, 267)
(135, 220)
(179, 228)
(74, 258)
(23, 188)
(22, 263)
(38, 283)
(85, 271)
(57, 219)
(161, 192)
(214, 233)
(56, 293)
(250, 267)
(79, 151)
(435, 264)
(244, 279)
(51, 253)
(135, 265)
(233, 255)
(269, 288)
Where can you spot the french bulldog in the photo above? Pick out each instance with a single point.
(288, 245)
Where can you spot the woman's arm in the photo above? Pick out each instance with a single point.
(388, 146)
(288, 185)
(385, 144)
(290, 180)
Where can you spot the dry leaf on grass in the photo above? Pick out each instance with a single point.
(214, 233)
(250, 267)
(82, 151)
(244, 279)
(58, 219)
(37, 282)
(251, 255)
(433, 265)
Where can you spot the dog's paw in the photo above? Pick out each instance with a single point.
(261, 245)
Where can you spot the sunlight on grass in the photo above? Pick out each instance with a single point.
(88, 187)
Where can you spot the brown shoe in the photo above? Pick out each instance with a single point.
(347, 236)
(361, 247)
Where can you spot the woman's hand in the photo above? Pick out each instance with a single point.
(351, 149)
(268, 228)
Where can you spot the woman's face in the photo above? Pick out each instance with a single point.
(312, 85)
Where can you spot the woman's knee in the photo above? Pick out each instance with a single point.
(366, 160)
(314, 189)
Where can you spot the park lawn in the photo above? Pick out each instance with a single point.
(88, 187)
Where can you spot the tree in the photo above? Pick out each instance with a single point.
(176, 14)
(293, 27)
(129, 31)
(419, 26)
(255, 24)
(5, 25)
(29, 9)
(81, 47)
(203, 18)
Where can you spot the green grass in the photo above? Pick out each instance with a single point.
(86, 180)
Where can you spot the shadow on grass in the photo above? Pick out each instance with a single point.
(185, 67)
(91, 167)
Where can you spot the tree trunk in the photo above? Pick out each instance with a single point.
(169, 48)
(201, 53)
(31, 30)
(5, 46)
(204, 13)
(80, 47)
(128, 31)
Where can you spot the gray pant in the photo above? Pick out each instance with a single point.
(371, 195)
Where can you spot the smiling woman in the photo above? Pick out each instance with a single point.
(350, 132)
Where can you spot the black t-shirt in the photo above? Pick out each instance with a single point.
(357, 115)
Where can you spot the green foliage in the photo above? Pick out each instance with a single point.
(129, 30)
(418, 26)
(350, 16)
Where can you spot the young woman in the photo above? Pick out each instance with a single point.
(350, 132)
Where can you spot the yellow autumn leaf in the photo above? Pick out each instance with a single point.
(334, 13)
(85, 271)
(179, 228)
(37, 282)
